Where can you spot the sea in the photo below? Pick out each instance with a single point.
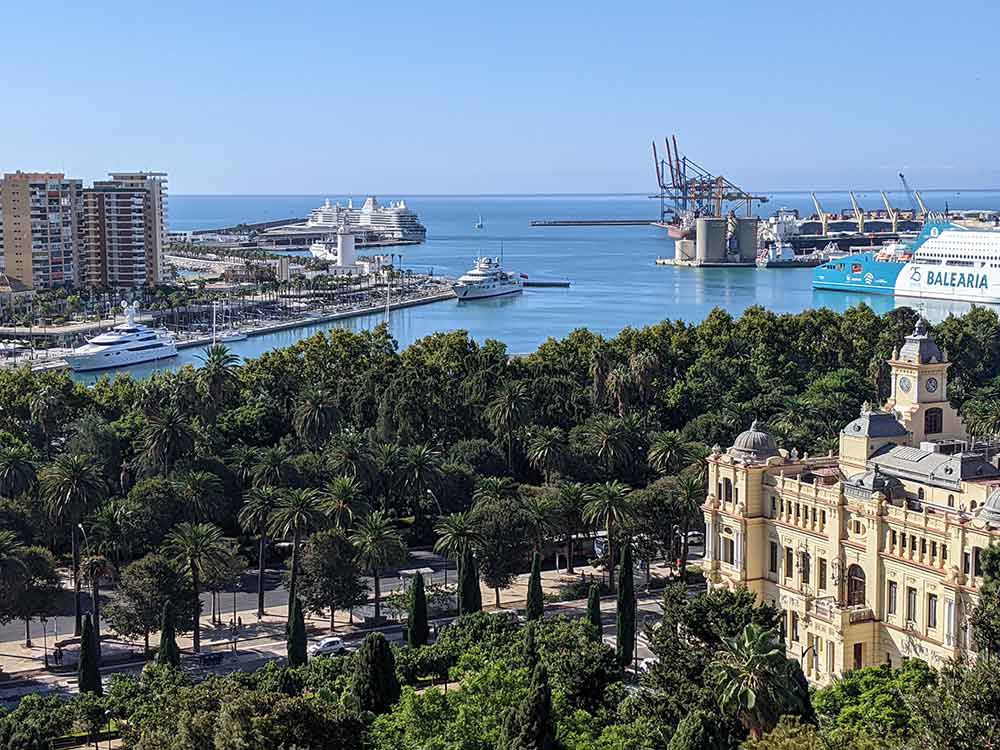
(614, 281)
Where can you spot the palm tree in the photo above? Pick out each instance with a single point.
(643, 366)
(619, 382)
(752, 676)
(378, 546)
(93, 568)
(507, 413)
(667, 452)
(456, 534)
(609, 443)
(255, 518)
(242, 459)
(386, 467)
(343, 500)
(689, 494)
(315, 416)
(546, 450)
(273, 467)
(218, 370)
(72, 485)
(196, 546)
(600, 366)
(348, 454)
(570, 502)
(421, 469)
(299, 512)
(167, 437)
(539, 511)
(17, 471)
(200, 492)
(12, 567)
(113, 528)
(46, 407)
(608, 505)
(494, 490)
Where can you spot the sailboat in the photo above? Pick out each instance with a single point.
(479, 223)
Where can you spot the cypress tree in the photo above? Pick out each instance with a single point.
(529, 652)
(625, 642)
(535, 607)
(594, 610)
(374, 684)
(470, 598)
(168, 653)
(532, 727)
(416, 632)
(296, 635)
(88, 674)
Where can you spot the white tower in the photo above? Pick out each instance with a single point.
(346, 254)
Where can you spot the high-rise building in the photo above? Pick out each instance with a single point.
(872, 556)
(41, 224)
(154, 185)
(114, 252)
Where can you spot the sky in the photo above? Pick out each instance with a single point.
(513, 97)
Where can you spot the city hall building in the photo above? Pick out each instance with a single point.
(872, 556)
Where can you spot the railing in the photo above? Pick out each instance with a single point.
(860, 613)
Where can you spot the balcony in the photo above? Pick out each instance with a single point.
(829, 610)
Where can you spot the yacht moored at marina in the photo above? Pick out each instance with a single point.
(946, 261)
(487, 279)
(128, 344)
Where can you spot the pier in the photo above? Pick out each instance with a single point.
(592, 222)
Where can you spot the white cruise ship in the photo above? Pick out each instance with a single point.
(128, 344)
(372, 224)
(487, 279)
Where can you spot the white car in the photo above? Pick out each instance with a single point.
(331, 646)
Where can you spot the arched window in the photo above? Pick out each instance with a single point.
(951, 501)
(933, 419)
(855, 585)
(727, 490)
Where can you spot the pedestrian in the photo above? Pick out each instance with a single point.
(239, 624)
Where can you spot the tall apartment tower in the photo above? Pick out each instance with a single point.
(114, 246)
(41, 228)
(153, 185)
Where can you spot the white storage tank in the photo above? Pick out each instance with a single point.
(710, 240)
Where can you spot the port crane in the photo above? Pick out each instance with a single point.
(916, 200)
(892, 213)
(824, 217)
(859, 215)
(693, 189)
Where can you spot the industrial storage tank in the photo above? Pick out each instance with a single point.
(684, 250)
(710, 240)
(746, 234)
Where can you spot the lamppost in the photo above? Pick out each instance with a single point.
(45, 640)
(236, 627)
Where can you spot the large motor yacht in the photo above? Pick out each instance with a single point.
(487, 279)
(128, 344)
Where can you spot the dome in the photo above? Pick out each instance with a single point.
(991, 508)
(863, 485)
(754, 444)
(920, 348)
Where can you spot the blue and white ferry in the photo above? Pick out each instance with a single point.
(946, 261)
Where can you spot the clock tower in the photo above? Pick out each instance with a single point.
(920, 389)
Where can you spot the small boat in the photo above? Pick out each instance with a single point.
(233, 335)
(479, 223)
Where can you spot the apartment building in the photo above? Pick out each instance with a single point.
(871, 556)
(154, 187)
(41, 214)
(114, 236)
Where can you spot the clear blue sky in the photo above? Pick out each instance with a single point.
(442, 97)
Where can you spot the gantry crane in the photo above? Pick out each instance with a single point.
(893, 213)
(693, 189)
(859, 215)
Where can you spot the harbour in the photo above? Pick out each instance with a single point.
(615, 282)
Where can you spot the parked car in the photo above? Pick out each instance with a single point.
(331, 646)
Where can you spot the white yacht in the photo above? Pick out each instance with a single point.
(487, 279)
(128, 344)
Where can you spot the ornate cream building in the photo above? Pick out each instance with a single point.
(872, 556)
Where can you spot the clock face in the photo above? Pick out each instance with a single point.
(905, 384)
(932, 385)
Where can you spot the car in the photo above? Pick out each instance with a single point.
(696, 537)
(331, 646)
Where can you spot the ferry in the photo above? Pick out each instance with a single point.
(946, 261)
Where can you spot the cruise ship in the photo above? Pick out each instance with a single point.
(372, 224)
(946, 262)
(128, 344)
(487, 279)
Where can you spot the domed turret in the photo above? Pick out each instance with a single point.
(991, 509)
(920, 348)
(755, 444)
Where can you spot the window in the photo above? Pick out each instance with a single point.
(932, 611)
(814, 516)
(977, 561)
(797, 512)
(822, 573)
(727, 490)
(795, 626)
(789, 562)
(913, 543)
(806, 568)
(932, 421)
(859, 652)
(728, 550)
(774, 507)
(822, 517)
(774, 558)
(892, 537)
(911, 604)
(893, 590)
(855, 585)
(951, 501)
(923, 546)
(944, 553)
(920, 494)
(966, 563)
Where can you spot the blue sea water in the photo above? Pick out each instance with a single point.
(615, 282)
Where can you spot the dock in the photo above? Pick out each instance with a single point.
(549, 283)
(592, 222)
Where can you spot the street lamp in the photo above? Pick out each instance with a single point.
(45, 640)
(236, 627)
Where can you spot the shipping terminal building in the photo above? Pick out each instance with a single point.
(872, 556)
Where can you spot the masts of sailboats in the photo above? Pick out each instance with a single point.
(388, 287)
(215, 306)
